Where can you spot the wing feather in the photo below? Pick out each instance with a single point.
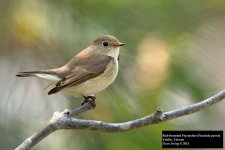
(83, 67)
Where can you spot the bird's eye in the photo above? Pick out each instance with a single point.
(105, 43)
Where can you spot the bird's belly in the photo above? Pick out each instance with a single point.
(95, 85)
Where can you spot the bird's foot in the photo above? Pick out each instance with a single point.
(89, 99)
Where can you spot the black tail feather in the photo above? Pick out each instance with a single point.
(31, 73)
(54, 90)
(26, 74)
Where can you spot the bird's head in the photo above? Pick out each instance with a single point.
(107, 44)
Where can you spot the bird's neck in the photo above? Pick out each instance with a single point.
(114, 53)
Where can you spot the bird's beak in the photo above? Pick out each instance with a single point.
(120, 44)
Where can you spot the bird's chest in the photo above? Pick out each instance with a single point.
(101, 82)
(109, 74)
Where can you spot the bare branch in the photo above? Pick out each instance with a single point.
(64, 120)
(52, 126)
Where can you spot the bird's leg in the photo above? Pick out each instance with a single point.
(90, 99)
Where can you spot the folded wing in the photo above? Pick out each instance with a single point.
(83, 67)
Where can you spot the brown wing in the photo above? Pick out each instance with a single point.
(83, 67)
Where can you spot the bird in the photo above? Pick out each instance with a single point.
(87, 73)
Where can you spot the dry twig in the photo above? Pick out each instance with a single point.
(65, 120)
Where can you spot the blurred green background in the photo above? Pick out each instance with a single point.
(174, 56)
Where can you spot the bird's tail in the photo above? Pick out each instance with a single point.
(34, 73)
(28, 73)
(45, 74)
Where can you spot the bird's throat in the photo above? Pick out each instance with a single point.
(114, 53)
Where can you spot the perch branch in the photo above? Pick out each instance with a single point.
(65, 120)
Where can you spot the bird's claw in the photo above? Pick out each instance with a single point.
(91, 100)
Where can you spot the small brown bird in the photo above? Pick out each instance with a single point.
(87, 73)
